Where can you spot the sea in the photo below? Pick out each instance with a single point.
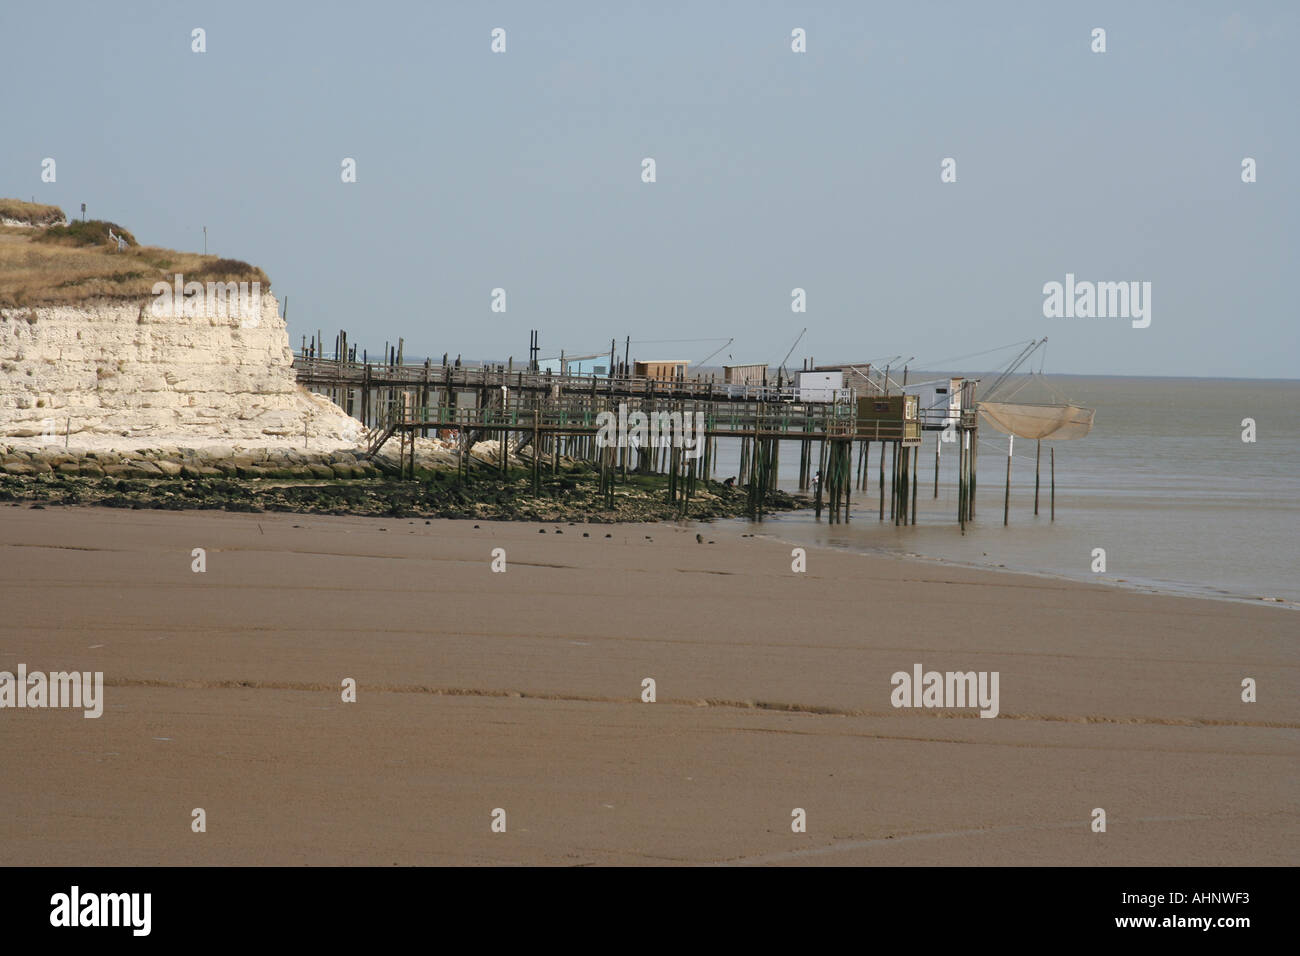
(1165, 485)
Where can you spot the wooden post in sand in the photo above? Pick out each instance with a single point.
(424, 400)
(537, 453)
(365, 393)
(776, 464)
(882, 481)
(674, 467)
(703, 458)
(938, 440)
(835, 477)
(691, 469)
(970, 477)
(909, 478)
(1006, 500)
(1038, 459)
(916, 459)
(828, 480)
(900, 483)
(900, 480)
(462, 464)
(1053, 456)
(893, 482)
(910, 454)
(847, 480)
(817, 497)
(961, 480)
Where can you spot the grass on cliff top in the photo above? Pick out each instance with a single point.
(84, 232)
(31, 213)
(66, 265)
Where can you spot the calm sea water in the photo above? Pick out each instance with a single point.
(1164, 483)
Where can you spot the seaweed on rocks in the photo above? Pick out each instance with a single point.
(574, 496)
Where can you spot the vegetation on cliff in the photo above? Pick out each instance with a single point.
(72, 263)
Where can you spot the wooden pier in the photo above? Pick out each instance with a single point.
(553, 416)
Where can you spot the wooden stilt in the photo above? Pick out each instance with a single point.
(848, 476)
(893, 481)
(775, 466)
(904, 479)
(938, 441)
(961, 480)
(882, 480)
(916, 460)
(817, 496)
(537, 454)
(1006, 500)
(1038, 458)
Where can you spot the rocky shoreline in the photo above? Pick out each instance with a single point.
(174, 462)
(341, 483)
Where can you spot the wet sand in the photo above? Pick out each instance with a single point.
(522, 691)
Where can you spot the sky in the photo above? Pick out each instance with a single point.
(775, 170)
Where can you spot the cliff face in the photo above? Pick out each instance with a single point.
(117, 375)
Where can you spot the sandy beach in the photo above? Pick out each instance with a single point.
(522, 691)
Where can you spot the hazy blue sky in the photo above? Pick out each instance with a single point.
(775, 170)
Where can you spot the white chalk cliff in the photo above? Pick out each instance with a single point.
(115, 375)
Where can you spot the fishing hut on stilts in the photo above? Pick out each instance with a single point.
(539, 417)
